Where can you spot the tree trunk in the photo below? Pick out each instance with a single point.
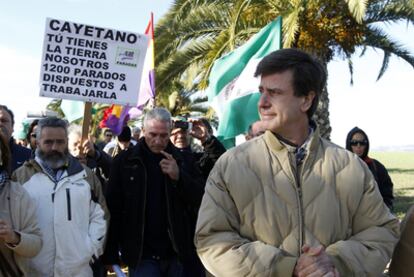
(321, 115)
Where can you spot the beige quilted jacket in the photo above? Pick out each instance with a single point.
(258, 210)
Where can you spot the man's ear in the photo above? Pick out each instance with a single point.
(308, 101)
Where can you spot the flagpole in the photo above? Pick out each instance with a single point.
(153, 45)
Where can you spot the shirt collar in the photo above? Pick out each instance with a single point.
(55, 174)
(299, 151)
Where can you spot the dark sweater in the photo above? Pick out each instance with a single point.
(156, 239)
(19, 154)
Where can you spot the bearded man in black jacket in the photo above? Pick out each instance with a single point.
(151, 190)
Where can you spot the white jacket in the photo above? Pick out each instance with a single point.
(72, 216)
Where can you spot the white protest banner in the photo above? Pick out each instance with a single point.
(91, 64)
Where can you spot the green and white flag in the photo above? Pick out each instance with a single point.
(73, 110)
(233, 89)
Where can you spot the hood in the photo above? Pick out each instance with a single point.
(349, 137)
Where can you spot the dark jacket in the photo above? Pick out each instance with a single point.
(379, 171)
(19, 154)
(101, 166)
(205, 160)
(213, 149)
(126, 198)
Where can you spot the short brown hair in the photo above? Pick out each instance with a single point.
(308, 72)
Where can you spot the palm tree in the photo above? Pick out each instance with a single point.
(194, 33)
(54, 105)
(182, 97)
(97, 114)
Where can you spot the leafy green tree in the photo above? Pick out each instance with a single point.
(54, 105)
(97, 114)
(194, 33)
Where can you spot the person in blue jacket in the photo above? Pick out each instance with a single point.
(19, 154)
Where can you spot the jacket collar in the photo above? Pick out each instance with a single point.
(73, 165)
(276, 145)
(136, 152)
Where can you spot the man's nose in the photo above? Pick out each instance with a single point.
(55, 145)
(263, 101)
(157, 140)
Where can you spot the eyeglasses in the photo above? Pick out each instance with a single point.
(33, 135)
(359, 142)
(108, 135)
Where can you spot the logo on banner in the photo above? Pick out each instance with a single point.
(128, 57)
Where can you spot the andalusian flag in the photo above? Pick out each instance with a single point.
(233, 90)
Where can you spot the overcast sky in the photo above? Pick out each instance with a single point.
(384, 109)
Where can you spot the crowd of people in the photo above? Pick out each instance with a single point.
(284, 203)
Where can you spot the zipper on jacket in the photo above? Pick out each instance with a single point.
(301, 231)
(170, 229)
(54, 189)
(301, 218)
(143, 212)
(68, 204)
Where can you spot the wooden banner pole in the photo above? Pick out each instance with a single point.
(87, 116)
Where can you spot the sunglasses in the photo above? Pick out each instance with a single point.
(359, 142)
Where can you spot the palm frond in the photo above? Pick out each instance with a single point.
(390, 11)
(351, 69)
(357, 8)
(379, 39)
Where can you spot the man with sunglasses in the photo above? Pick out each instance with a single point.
(107, 138)
(357, 142)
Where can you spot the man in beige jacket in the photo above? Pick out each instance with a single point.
(290, 203)
(402, 259)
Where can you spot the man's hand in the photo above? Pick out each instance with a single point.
(314, 262)
(88, 148)
(199, 130)
(169, 166)
(7, 233)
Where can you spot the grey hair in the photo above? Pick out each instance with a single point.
(52, 122)
(136, 129)
(160, 114)
(75, 129)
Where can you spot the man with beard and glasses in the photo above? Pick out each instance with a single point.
(70, 207)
